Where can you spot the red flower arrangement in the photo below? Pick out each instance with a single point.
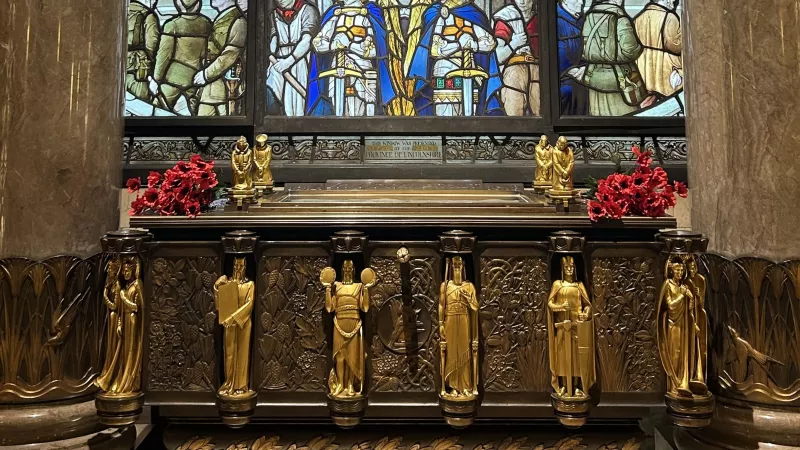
(645, 192)
(182, 191)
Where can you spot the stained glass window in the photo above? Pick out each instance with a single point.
(354, 58)
(620, 57)
(186, 57)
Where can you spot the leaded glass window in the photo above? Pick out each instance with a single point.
(186, 58)
(620, 58)
(356, 58)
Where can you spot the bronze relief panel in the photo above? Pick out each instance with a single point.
(754, 312)
(181, 339)
(51, 344)
(403, 320)
(513, 320)
(291, 351)
(625, 284)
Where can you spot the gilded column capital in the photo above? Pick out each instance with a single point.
(457, 242)
(239, 242)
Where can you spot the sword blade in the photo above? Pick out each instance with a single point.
(338, 91)
(466, 97)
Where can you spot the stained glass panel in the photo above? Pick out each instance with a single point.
(186, 57)
(620, 57)
(354, 58)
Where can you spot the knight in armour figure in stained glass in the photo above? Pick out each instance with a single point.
(516, 27)
(455, 65)
(349, 74)
(144, 32)
(223, 69)
(180, 56)
(569, 26)
(294, 24)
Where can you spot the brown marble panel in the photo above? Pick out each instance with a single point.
(61, 100)
(743, 124)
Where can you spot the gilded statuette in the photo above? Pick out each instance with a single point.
(682, 341)
(543, 179)
(563, 166)
(120, 398)
(243, 190)
(262, 156)
(233, 296)
(570, 330)
(458, 331)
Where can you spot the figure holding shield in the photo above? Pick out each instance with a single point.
(344, 299)
(234, 299)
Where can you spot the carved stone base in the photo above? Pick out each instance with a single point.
(572, 412)
(236, 410)
(110, 439)
(46, 422)
(119, 410)
(741, 425)
(458, 413)
(692, 412)
(347, 412)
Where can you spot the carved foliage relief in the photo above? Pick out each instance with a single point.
(52, 323)
(754, 313)
(182, 324)
(513, 324)
(398, 364)
(625, 300)
(292, 344)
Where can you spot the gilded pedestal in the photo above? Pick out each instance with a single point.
(120, 399)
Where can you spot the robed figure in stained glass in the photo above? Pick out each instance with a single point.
(569, 26)
(659, 30)
(403, 31)
(349, 74)
(455, 66)
(294, 24)
(516, 27)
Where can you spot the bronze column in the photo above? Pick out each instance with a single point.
(742, 111)
(61, 92)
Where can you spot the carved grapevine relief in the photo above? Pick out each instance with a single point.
(514, 324)
(182, 323)
(328, 442)
(394, 370)
(625, 302)
(292, 346)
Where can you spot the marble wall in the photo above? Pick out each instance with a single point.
(61, 92)
(743, 124)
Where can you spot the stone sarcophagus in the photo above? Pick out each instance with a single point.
(367, 302)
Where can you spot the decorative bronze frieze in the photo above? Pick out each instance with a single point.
(120, 399)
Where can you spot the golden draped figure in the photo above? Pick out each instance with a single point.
(344, 299)
(570, 331)
(681, 339)
(242, 164)
(121, 374)
(401, 46)
(262, 156)
(234, 298)
(458, 331)
(563, 165)
(544, 164)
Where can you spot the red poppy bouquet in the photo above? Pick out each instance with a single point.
(182, 191)
(645, 192)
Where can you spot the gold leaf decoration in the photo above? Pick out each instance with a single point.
(263, 443)
(197, 443)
